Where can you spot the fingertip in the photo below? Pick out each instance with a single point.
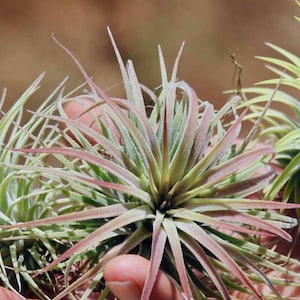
(124, 290)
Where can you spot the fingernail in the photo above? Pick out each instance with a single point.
(126, 290)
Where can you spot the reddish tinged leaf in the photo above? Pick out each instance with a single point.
(180, 159)
(159, 238)
(204, 239)
(167, 126)
(207, 204)
(94, 213)
(136, 135)
(209, 219)
(202, 135)
(231, 166)
(176, 64)
(58, 173)
(148, 130)
(211, 157)
(202, 257)
(174, 241)
(97, 137)
(163, 70)
(133, 240)
(103, 163)
(94, 238)
(222, 146)
(90, 112)
(246, 262)
(243, 218)
(130, 190)
(246, 186)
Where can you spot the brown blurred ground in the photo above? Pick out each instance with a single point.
(212, 31)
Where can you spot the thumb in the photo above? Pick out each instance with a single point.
(125, 275)
(9, 295)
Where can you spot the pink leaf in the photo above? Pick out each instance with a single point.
(213, 155)
(157, 251)
(233, 165)
(243, 218)
(201, 256)
(58, 173)
(100, 139)
(180, 159)
(99, 161)
(138, 137)
(93, 239)
(174, 241)
(202, 135)
(206, 204)
(209, 219)
(209, 243)
(94, 213)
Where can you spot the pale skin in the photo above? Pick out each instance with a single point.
(125, 275)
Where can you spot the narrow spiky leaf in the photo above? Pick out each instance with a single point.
(157, 249)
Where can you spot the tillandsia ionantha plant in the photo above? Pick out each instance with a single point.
(27, 196)
(279, 127)
(20, 200)
(281, 124)
(163, 175)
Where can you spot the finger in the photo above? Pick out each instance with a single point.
(80, 111)
(9, 295)
(86, 111)
(126, 275)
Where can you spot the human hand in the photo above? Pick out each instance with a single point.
(125, 275)
(5, 294)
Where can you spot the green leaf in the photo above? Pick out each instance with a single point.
(181, 156)
(291, 169)
(292, 57)
(281, 63)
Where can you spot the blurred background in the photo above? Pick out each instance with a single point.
(212, 30)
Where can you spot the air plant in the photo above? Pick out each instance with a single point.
(280, 127)
(26, 197)
(166, 179)
(281, 124)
